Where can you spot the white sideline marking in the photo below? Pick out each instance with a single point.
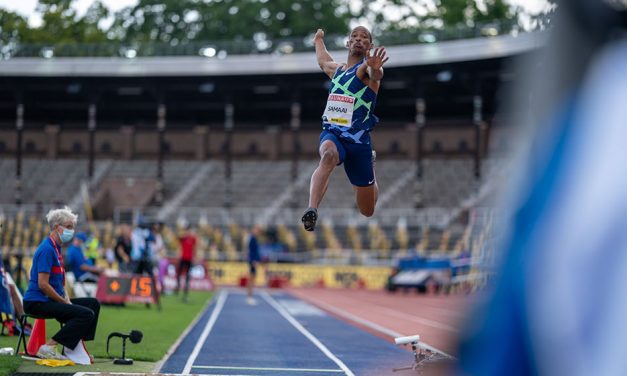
(224, 374)
(371, 325)
(306, 333)
(300, 308)
(176, 344)
(273, 369)
(205, 332)
(151, 374)
(420, 320)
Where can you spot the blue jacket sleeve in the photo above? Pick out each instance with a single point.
(45, 261)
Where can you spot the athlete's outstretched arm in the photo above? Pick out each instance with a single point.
(375, 63)
(325, 61)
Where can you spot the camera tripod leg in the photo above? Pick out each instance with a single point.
(417, 359)
(403, 368)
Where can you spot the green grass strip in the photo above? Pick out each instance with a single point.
(160, 328)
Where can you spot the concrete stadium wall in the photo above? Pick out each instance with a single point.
(205, 142)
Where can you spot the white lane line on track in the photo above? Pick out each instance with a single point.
(205, 332)
(427, 306)
(273, 369)
(149, 374)
(183, 335)
(221, 374)
(419, 320)
(371, 325)
(306, 333)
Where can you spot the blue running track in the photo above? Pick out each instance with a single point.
(280, 335)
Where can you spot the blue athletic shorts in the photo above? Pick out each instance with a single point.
(357, 159)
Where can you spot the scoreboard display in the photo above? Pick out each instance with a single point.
(131, 288)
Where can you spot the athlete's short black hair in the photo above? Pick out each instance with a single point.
(362, 27)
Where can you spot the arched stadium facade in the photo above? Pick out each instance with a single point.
(268, 96)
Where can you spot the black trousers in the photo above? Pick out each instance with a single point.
(146, 267)
(184, 267)
(79, 318)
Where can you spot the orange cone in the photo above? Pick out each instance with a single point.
(37, 337)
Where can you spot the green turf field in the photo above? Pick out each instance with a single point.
(8, 364)
(161, 330)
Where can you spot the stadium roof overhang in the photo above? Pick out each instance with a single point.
(401, 56)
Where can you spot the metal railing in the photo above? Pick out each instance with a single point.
(220, 216)
(222, 49)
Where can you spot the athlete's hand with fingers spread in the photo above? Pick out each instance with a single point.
(377, 59)
(319, 35)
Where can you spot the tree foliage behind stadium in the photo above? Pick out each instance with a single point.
(421, 15)
(60, 24)
(177, 22)
(180, 21)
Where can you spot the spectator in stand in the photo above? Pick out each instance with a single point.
(142, 250)
(10, 298)
(109, 254)
(142, 244)
(78, 263)
(123, 248)
(91, 248)
(10, 303)
(188, 250)
(253, 259)
(158, 245)
(159, 254)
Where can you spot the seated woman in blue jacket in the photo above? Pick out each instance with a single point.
(46, 295)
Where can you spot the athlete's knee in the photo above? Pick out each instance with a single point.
(329, 158)
(367, 211)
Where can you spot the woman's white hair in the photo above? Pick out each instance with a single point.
(61, 216)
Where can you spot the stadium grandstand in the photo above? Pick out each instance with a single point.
(229, 140)
(232, 138)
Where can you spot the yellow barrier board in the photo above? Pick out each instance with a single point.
(302, 275)
(297, 275)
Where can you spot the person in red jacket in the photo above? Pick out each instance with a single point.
(188, 248)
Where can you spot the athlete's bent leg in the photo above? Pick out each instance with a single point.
(366, 198)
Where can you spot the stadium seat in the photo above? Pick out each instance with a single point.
(21, 341)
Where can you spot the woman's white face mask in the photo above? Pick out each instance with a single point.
(66, 235)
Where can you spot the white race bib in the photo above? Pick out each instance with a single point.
(339, 110)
